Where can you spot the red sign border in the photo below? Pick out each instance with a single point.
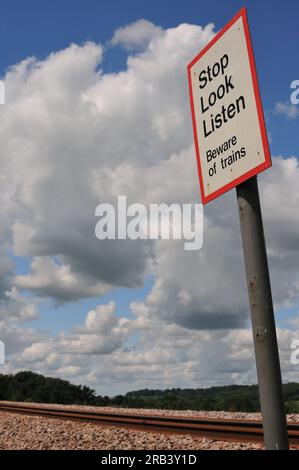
(267, 163)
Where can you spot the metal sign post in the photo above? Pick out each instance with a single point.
(262, 316)
(231, 147)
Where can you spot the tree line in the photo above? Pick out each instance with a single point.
(28, 386)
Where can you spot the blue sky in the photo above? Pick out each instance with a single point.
(45, 27)
(39, 27)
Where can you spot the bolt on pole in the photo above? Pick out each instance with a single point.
(262, 316)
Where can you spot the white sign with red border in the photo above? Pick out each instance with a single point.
(229, 129)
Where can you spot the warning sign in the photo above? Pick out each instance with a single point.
(228, 123)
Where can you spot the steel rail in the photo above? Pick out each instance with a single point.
(221, 429)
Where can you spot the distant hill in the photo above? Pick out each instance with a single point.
(30, 387)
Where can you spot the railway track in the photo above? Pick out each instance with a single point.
(224, 429)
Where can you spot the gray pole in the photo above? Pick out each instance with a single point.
(262, 316)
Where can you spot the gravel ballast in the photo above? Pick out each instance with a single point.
(35, 432)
